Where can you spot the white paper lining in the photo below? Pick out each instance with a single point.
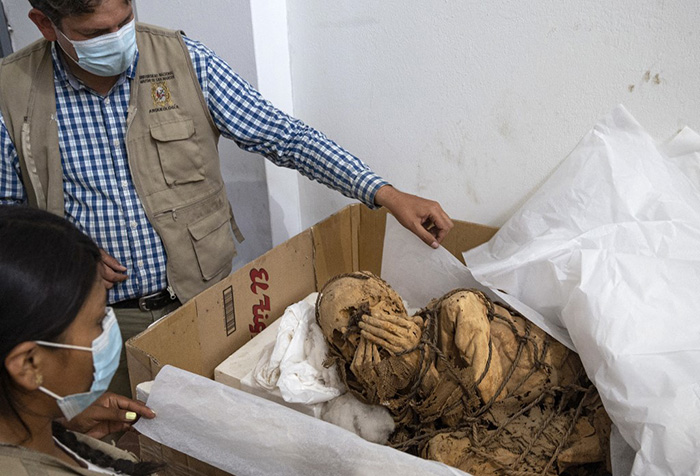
(250, 436)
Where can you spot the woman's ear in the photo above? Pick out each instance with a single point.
(43, 23)
(23, 366)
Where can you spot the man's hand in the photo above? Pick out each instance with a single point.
(425, 218)
(111, 270)
(110, 413)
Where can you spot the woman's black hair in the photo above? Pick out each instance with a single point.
(48, 268)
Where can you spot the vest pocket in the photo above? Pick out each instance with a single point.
(213, 243)
(178, 153)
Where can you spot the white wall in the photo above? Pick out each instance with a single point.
(475, 103)
(470, 103)
(270, 35)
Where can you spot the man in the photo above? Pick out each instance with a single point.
(115, 125)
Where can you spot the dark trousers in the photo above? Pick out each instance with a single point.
(133, 321)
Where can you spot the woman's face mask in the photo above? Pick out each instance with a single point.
(106, 55)
(105, 349)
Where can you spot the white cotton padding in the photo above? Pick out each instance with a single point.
(372, 422)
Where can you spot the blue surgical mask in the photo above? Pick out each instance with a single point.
(105, 349)
(106, 55)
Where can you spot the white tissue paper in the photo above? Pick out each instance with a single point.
(608, 250)
(249, 436)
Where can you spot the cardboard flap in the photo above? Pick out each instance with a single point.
(370, 238)
(182, 347)
(334, 246)
(238, 308)
(465, 236)
(142, 366)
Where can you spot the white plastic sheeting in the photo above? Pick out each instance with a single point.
(609, 250)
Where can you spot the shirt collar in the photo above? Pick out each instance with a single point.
(63, 74)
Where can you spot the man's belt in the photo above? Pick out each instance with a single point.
(152, 302)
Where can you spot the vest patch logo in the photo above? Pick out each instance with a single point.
(161, 94)
(160, 91)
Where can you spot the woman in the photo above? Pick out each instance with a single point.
(59, 348)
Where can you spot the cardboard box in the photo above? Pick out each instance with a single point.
(207, 329)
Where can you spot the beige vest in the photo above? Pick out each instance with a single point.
(171, 143)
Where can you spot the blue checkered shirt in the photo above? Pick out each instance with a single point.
(99, 194)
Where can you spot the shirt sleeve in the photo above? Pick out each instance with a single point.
(11, 187)
(254, 124)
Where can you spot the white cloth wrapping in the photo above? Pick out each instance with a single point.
(294, 364)
(609, 250)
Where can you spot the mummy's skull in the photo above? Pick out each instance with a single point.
(345, 299)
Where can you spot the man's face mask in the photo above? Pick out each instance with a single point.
(105, 349)
(106, 55)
